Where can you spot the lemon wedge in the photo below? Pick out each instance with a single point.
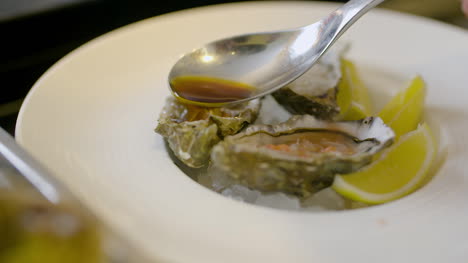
(398, 171)
(353, 97)
(404, 111)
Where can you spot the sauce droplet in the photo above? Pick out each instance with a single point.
(209, 90)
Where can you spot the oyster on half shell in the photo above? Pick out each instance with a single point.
(302, 155)
(191, 131)
(315, 92)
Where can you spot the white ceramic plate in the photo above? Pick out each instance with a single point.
(90, 118)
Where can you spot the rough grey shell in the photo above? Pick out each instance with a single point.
(244, 157)
(192, 141)
(315, 92)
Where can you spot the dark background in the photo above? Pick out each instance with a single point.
(34, 34)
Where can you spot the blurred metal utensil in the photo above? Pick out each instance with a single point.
(35, 173)
(25, 177)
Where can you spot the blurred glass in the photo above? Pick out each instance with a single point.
(33, 229)
(40, 221)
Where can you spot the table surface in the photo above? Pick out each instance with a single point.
(15, 9)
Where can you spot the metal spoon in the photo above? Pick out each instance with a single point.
(266, 61)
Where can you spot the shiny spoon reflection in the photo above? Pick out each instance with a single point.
(245, 67)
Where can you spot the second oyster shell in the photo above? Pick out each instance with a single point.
(315, 92)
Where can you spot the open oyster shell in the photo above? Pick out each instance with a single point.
(301, 155)
(191, 131)
(315, 92)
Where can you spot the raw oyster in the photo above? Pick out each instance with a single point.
(315, 92)
(191, 131)
(300, 156)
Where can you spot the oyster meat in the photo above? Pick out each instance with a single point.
(299, 156)
(191, 131)
(315, 92)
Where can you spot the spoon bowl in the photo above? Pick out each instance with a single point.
(263, 61)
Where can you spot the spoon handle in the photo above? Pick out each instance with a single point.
(350, 12)
(334, 25)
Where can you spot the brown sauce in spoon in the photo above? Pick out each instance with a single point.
(209, 90)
